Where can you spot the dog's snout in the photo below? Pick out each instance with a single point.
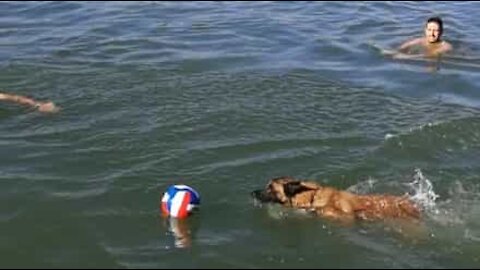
(256, 193)
(261, 195)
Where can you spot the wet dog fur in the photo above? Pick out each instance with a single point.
(335, 204)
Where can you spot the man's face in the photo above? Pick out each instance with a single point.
(432, 32)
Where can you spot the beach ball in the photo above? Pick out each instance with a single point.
(179, 201)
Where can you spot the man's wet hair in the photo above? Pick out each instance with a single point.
(438, 21)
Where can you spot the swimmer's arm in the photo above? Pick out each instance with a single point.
(404, 56)
(402, 51)
(18, 99)
(446, 47)
(22, 100)
(406, 45)
(400, 55)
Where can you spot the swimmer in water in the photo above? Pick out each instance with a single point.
(431, 44)
(41, 106)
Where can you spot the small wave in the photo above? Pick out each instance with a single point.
(437, 136)
(363, 187)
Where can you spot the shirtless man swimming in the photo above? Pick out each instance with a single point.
(431, 43)
(45, 107)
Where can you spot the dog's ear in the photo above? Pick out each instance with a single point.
(292, 188)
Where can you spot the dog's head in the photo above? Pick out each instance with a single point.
(282, 190)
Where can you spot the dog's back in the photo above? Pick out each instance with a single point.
(371, 207)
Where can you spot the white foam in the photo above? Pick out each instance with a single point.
(423, 192)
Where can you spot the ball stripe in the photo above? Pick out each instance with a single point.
(179, 200)
(183, 211)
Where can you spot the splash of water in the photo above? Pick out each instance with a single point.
(423, 194)
(363, 187)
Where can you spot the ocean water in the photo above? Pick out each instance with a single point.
(223, 96)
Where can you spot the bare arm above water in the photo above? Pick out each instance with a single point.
(41, 106)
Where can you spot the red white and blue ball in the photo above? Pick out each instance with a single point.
(179, 201)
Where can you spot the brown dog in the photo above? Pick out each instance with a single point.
(336, 204)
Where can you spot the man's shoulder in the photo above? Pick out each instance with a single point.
(446, 45)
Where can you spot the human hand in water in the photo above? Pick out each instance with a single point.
(47, 107)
